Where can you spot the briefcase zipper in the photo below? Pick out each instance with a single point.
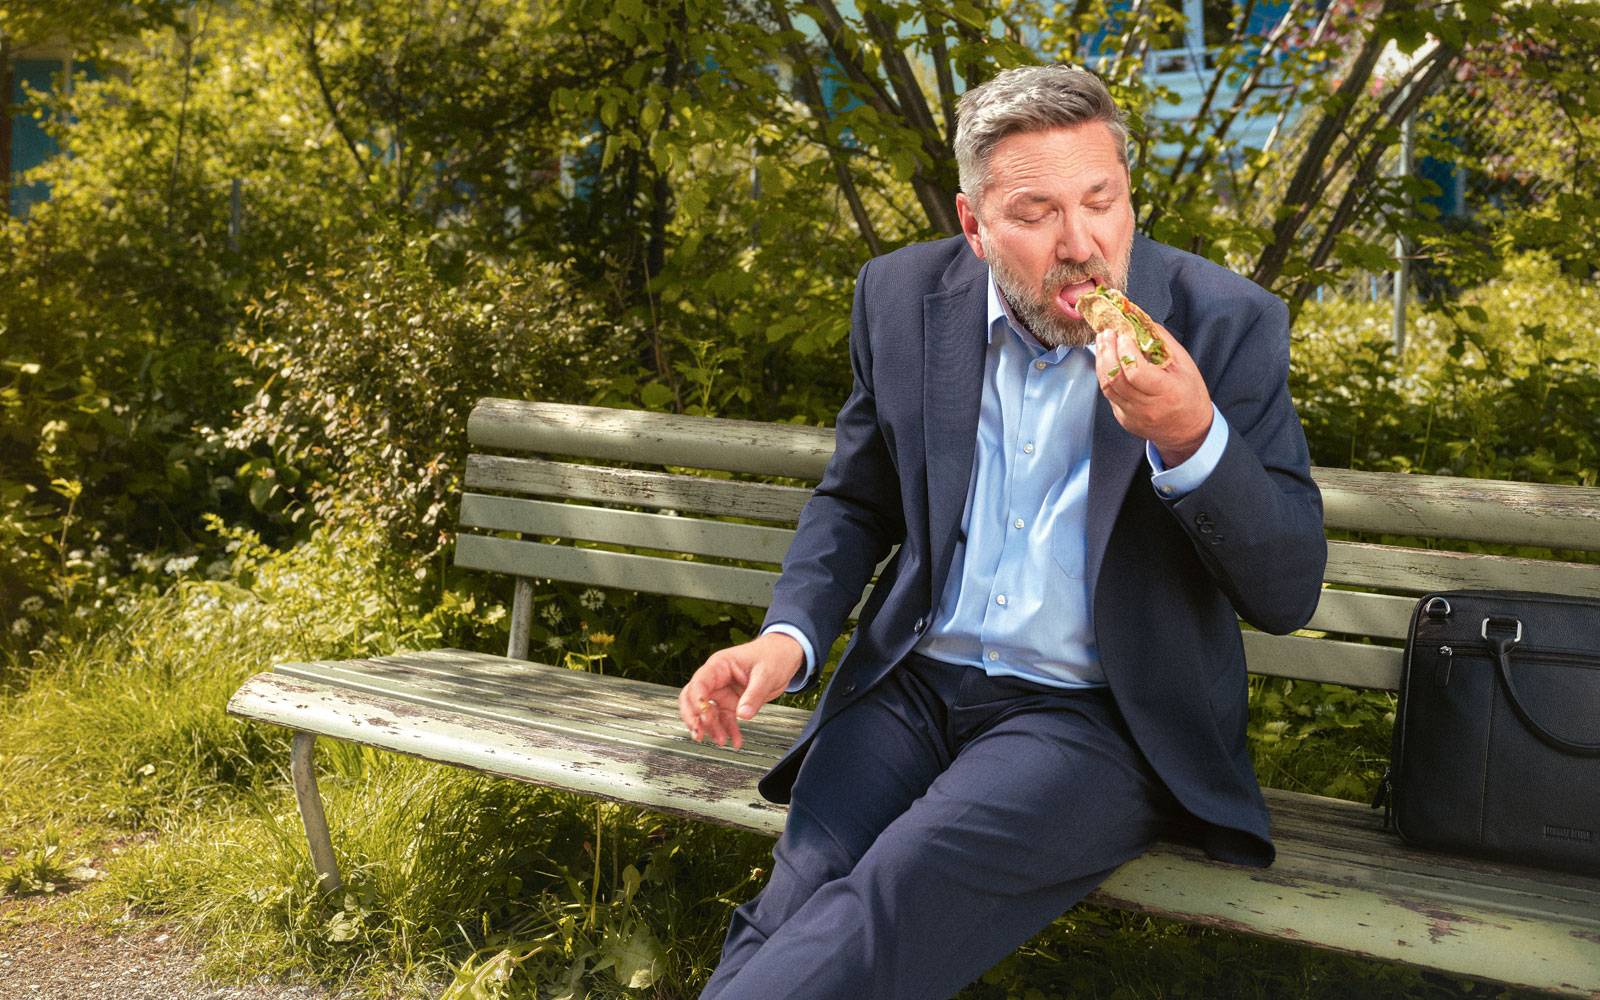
(1541, 653)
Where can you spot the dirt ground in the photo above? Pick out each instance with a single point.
(45, 955)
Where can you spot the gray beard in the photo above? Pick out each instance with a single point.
(1048, 326)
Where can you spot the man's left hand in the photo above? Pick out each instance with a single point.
(1168, 406)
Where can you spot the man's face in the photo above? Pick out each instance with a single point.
(1055, 219)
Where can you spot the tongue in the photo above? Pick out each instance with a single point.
(1069, 294)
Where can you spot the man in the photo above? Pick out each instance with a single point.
(1049, 674)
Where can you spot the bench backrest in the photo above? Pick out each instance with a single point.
(538, 506)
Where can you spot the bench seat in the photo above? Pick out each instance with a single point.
(1340, 880)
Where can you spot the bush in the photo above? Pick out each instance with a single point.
(1502, 385)
(370, 366)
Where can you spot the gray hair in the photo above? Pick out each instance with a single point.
(1029, 99)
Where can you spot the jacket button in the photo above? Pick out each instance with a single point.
(1205, 528)
(1202, 518)
(1216, 539)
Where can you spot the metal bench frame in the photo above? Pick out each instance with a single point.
(1340, 881)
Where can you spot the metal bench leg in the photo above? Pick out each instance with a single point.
(305, 790)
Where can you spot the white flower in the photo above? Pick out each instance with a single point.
(591, 599)
(32, 604)
(555, 644)
(21, 627)
(661, 648)
(551, 613)
(180, 564)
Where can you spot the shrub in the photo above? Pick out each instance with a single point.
(1502, 385)
(370, 366)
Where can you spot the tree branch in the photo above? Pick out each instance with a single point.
(314, 62)
(941, 72)
(841, 170)
(1360, 190)
(933, 188)
(1296, 201)
(835, 32)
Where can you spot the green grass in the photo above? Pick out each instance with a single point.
(486, 886)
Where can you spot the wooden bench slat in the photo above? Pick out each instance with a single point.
(1381, 616)
(540, 699)
(1301, 900)
(1482, 510)
(606, 434)
(1418, 571)
(719, 539)
(625, 570)
(1326, 660)
(1554, 516)
(636, 488)
(1328, 887)
(670, 780)
(445, 697)
(1298, 657)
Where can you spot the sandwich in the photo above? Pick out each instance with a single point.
(1109, 311)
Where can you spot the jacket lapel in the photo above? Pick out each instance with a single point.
(1116, 453)
(952, 387)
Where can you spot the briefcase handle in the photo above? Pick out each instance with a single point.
(1500, 647)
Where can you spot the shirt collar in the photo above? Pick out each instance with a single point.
(1000, 316)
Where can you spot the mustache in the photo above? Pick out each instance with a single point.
(1071, 272)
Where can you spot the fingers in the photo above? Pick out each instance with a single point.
(725, 689)
(1124, 372)
(706, 704)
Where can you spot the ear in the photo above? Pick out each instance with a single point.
(969, 224)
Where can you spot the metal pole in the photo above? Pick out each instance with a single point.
(1402, 252)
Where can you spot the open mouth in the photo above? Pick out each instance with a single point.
(1067, 296)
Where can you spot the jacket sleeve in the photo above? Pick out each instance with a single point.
(1256, 520)
(853, 517)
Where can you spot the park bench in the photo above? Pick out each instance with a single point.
(604, 497)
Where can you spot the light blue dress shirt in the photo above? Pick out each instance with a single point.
(1016, 602)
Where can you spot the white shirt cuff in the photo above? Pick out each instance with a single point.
(1186, 477)
(804, 677)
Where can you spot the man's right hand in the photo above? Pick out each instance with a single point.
(735, 682)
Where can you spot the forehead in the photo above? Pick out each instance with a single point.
(1058, 161)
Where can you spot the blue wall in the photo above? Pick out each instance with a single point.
(30, 145)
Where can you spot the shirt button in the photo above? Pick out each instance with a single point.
(1166, 491)
(1000, 600)
(1027, 449)
(1017, 523)
(993, 655)
(1039, 365)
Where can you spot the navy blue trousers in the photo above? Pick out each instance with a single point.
(936, 825)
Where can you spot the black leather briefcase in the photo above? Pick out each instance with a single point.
(1497, 735)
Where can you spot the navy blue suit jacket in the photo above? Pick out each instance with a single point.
(1170, 577)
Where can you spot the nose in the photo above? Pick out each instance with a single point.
(1074, 241)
